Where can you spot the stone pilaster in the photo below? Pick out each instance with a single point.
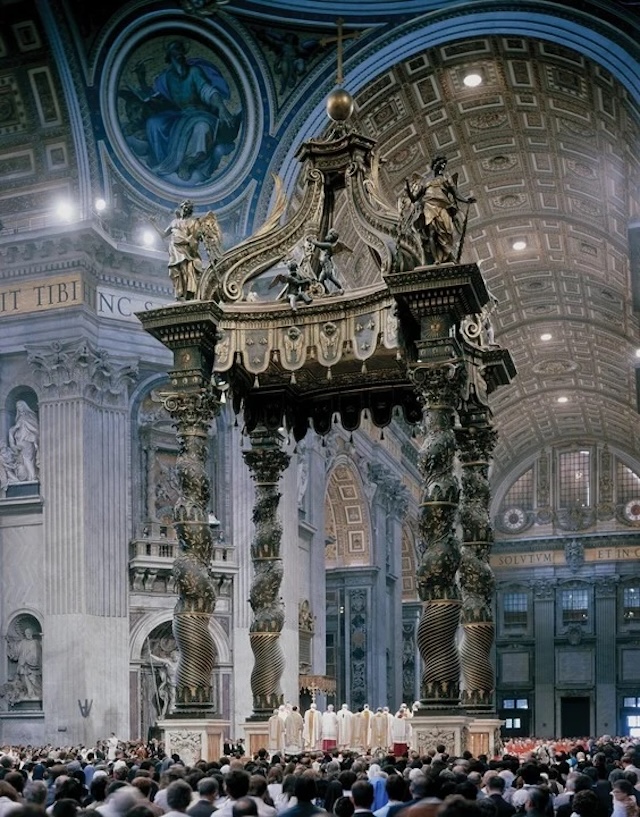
(544, 658)
(476, 440)
(606, 616)
(388, 509)
(84, 458)
(266, 461)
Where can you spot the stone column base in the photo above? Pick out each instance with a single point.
(484, 736)
(256, 736)
(449, 729)
(194, 739)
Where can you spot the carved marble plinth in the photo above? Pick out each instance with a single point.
(194, 739)
(256, 735)
(451, 729)
(484, 736)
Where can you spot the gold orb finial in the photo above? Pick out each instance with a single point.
(339, 105)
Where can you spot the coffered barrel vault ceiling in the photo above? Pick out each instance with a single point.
(549, 146)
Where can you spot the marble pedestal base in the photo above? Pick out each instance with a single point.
(479, 735)
(484, 735)
(194, 739)
(256, 736)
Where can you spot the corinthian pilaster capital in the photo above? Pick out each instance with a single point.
(77, 369)
(392, 493)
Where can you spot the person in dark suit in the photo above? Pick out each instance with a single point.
(362, 794)
(208, 791)
(581, 783)
(495, 790)
(305, 792)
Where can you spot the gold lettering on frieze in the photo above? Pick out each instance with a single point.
(59, 292)
(545, 557)
(612, 554)
(556, 557)
(44, 294)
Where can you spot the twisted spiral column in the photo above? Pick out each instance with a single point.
(438, 389)
(266, 462)
(192, 413)
(476, 441)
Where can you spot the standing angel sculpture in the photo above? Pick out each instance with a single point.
(435, 216)
(185, 232)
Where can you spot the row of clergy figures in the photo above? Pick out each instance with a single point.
(366, 730)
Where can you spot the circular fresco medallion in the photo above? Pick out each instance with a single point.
(181, 110)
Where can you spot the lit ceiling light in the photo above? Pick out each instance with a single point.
(563, 399)
(546, 336)
(519, 244)
(637, 352)
(472, 80)
(100, 205)
(65, 210)
(148, 238)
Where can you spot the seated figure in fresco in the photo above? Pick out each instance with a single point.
(185, 127)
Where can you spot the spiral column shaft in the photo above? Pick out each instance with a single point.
(266, 462)
(476, 440)
(192, 413)
(438, 387)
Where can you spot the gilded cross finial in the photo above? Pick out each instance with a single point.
(339, 41)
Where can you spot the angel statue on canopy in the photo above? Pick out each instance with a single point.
(185, 232)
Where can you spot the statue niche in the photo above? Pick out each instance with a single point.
(23, 689)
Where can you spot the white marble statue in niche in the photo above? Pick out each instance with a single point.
(19, 457)
(24, 651)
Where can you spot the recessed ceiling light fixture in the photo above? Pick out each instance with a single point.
(519, 244)
(563, 399)
(472, 79)
(637, 352)
(100, 205)
(546, 336)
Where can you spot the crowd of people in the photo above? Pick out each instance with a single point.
(592, 778)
